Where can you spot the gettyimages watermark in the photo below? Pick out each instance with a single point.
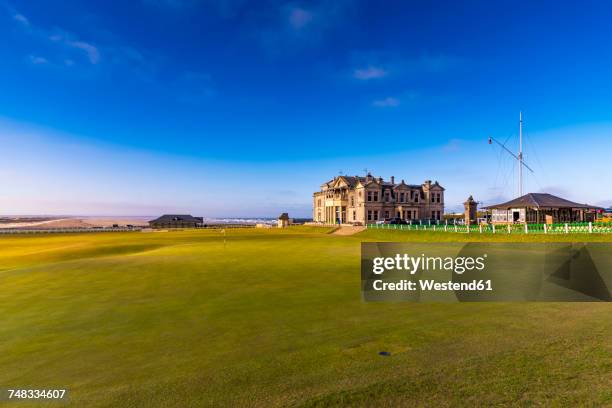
(486, 272)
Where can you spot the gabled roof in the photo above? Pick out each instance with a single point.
(437, 185)
(168, 218)
(540, 200)
(354, 181)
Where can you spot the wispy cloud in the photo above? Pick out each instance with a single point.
(290, 27)
(89, 50)
(36, 60)
(61, 48)
(64, 39)
(371, 72)
(21, 19)
(389, 102)
(299, 17)
(377, 64)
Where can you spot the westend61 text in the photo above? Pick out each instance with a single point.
(427, 284)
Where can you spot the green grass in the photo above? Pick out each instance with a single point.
(275, 318)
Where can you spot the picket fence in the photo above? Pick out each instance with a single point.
(563, 228)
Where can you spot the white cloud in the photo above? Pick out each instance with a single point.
(21, 19)
(388, 102)
(289, 28)
(90, 50)
(300, 18)
(36, 60)
(377, 64)
(60, 37)
(370, 72)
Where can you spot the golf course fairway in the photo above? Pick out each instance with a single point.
(274, 317)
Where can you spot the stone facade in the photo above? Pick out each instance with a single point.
(471, 211)
(364, 200)
(283, 221)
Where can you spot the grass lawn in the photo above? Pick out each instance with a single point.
(275, 318)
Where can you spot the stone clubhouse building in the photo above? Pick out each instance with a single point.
(363, 200)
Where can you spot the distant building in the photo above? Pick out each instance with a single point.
(363, 200)
(176, 221)
(283, 220)
(471, 211)
(541, 208)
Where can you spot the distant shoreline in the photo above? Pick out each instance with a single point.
(45, 222)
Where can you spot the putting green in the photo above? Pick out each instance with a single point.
(275, 318)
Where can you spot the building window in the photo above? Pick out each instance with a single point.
(376, 215)
(402, 197)
(375, 195)
(354, 215)
(369, 196)
(386, 214)
(352, 201)
(369, 215)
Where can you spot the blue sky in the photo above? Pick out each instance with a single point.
(239, 108)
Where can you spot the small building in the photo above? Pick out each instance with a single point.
(541, 208)
(283, 220)
(471, 212)
(176, 221)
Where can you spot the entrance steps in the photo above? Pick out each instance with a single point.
(348, 230)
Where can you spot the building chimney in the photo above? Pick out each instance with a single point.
(392, 180)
